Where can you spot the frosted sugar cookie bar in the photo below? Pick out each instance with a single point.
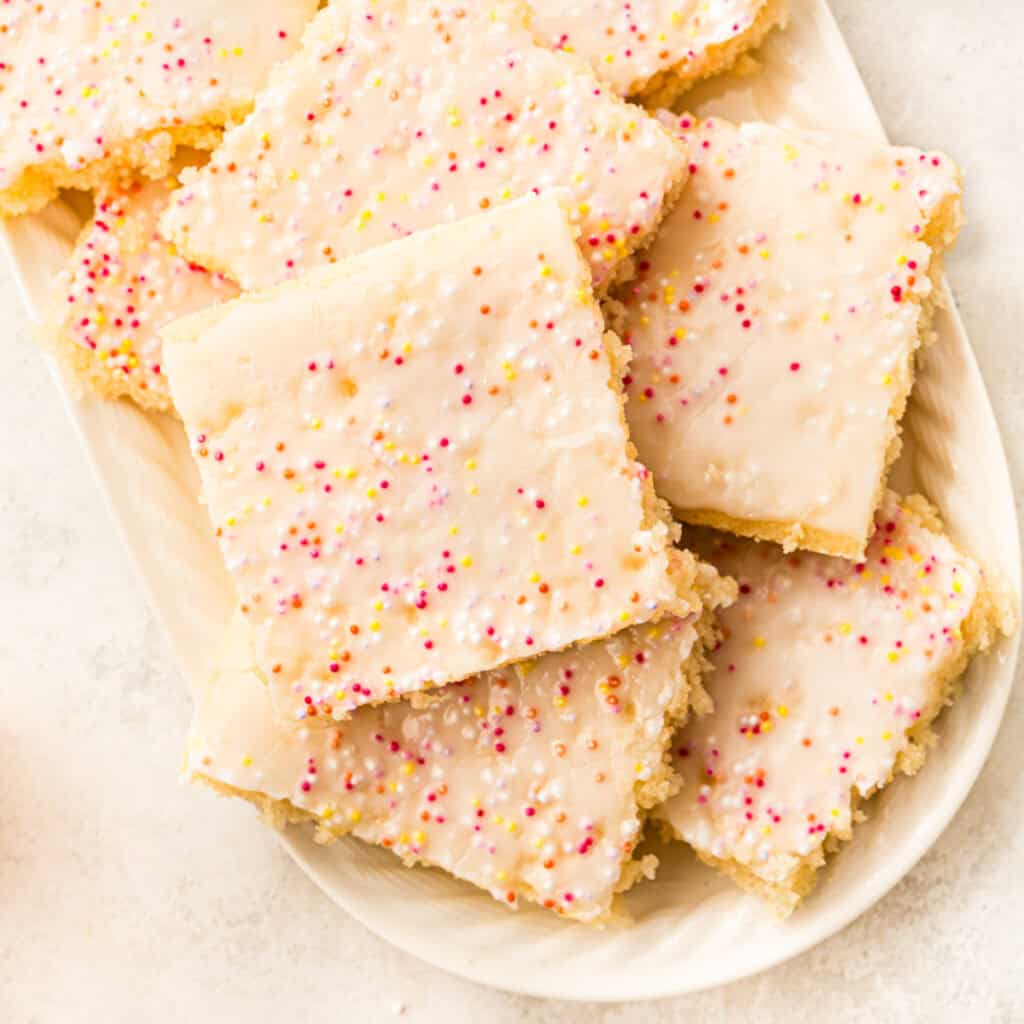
(774, 323)
(91, 89)
(417, 463)
(656, 49)
(531, 782)
(125, 282)
(398, 115)
(825, 687)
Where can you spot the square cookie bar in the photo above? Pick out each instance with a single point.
(399, 115)
(655, 50)
(774, 323)
(417, 462)
(531, 782)
(88, 90)
(125, 281)
(825, 687)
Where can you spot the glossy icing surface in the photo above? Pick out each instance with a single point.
(77, 78)
(125, 282)
(629, 42)
(396, 116)
(416, 463)
(825, 667)
(523, 781)
(774, 319)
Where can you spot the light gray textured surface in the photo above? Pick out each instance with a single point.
(124, 896)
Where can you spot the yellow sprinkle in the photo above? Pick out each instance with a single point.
(316, 423)
(782, 711)
(371, 492)
(583, 501)
(542, 536)
(470, 463)
(466, 561)
(845, 628)
(247, 760)
(893, 656)
(759, 641)
(354, 815)
(575, 549)
(534, 577)
(887, 735)
(407, 768)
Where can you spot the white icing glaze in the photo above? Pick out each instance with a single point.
(629, 42)
(773, 323)
(396, 116)
(77, 78)
(416, 462)
(125, 283)
(523, 782)
(824, 668)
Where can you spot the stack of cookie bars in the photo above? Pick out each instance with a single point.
(544, 430)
